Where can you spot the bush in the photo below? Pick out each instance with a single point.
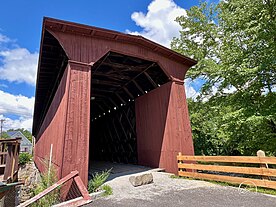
(47, 179)
(24, 158)
(97, 180)
(108, 190)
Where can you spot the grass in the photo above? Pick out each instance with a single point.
(252, 189)
(108, 190)
(97, 180)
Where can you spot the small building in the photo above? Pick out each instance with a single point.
(25, 144)
(108, 96)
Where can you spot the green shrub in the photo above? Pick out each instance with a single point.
(24, 158)
(48, 178)
(97, 180)
(108, 190)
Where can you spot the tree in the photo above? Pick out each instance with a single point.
(235, 44)
(4, 135)
(25, 132)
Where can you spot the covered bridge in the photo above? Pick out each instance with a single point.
(105, 95)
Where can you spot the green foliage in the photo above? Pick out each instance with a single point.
(24, 158)
(108, 190)
(4, 135)
(235, 45)
(47, 179)
(97, 180)
(25, 132)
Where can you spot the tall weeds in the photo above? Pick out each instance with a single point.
(48, 178)
(97, 180)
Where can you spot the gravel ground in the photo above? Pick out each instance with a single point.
(169, 192)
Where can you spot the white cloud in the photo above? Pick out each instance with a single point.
(229, 89)
(158, 24)
(22, 122)
(4, 39)
(16, 104)
(18, 65)
(190, 91)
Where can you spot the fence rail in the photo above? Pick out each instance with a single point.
(188, 167)
(74, 175)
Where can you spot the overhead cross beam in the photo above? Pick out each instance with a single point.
(150, 79)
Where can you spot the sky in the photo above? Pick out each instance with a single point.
(20, 33)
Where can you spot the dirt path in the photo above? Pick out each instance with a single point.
(169, 192)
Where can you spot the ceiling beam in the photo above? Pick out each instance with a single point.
(137, 86)
(127, 91)
(119, 97)
(150, 79)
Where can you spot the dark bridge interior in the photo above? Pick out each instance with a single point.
(117, 80)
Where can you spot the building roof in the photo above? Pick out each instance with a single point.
(85, 30)
(11, 133)
(15, 134)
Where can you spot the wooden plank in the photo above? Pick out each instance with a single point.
(235, 180)
(139, 88)
(50, 189)
(237, 159)
(74, 202)
(9, 161)
(230, 169)
(150, 79)
(82, 188)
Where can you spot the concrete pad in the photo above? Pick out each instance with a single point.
(118, 169)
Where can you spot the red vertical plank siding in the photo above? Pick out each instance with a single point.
(76, 145)
(163, 127)
(151, 114)
(53, 128)
(178, 135)
(87, 49)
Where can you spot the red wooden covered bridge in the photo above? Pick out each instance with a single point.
(105, 95)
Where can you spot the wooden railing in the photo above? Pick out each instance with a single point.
(9, 155)
(74, 175)
(263, 176)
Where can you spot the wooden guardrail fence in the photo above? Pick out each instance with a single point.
(188, 167)
(9, 155)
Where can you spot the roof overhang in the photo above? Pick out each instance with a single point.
(85, 30)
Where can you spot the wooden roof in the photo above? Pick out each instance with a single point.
(85, 30)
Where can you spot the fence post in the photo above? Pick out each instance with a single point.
(261, 153)
(180, 161)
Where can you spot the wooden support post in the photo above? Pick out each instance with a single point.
(12, 160)
(76, 143)
(261, 153)
(180, 161)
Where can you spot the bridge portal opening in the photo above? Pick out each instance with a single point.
(117, 81)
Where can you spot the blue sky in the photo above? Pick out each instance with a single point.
(20, 33)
